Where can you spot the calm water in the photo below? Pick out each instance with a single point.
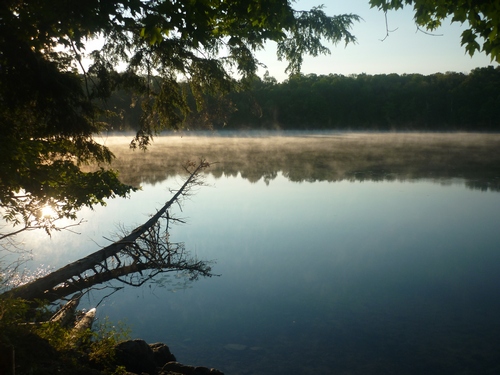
(385, 275)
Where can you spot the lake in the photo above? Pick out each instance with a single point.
(338, 253)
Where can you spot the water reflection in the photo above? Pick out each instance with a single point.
(378, 277)
(470, 158)
(350, 277)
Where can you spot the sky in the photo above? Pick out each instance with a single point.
(404, 51)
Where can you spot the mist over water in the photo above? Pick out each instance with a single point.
(326, 156)
(337, 253)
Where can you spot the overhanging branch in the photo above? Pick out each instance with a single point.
(145, 251)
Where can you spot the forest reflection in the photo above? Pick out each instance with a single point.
(473, 159)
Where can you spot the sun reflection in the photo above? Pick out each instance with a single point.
(48, 212)
(16, 279)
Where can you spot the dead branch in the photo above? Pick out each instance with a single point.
(133, 260)
(387, 31)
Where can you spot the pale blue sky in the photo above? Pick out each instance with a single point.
(404, 51)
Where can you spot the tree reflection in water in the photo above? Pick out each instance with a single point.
(443, 157)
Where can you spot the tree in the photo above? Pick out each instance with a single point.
(134, 259)
(482, 17)
(52, 102)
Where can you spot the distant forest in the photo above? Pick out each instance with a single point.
(437, 102)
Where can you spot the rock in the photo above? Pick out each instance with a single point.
(178, 368)
(162, 354)
(137, 356)
(214, 371)
(140, 358)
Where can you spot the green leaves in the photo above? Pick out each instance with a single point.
(51, 104)
(481, 17)
(306, 34)
(153, 35)
(43, 173)
(470, 43)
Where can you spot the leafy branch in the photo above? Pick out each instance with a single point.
(136, 258)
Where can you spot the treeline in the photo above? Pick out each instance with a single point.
(441, 101)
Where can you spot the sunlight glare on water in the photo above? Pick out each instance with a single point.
(346, 254)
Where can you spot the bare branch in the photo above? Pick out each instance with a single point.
(48, 225)
(133, 260)
(391, 31)
(387, 28)
(426, 32)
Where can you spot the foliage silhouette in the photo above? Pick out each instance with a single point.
(482, 19)
(52, 102)
(134, 259)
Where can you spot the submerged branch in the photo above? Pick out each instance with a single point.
(140, 255)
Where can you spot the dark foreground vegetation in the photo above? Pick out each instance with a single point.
(441, 101)
(52, 347)
(50, 112)
(68, 345)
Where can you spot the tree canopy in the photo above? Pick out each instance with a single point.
(54, 88)
(482, 18)
(436, 102)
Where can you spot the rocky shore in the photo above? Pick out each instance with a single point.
(36, 349)
(139, 357)
(35, 356)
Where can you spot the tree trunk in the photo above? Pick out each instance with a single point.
(123, 257)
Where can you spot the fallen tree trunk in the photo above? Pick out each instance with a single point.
(146, 248)
(66, 314)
